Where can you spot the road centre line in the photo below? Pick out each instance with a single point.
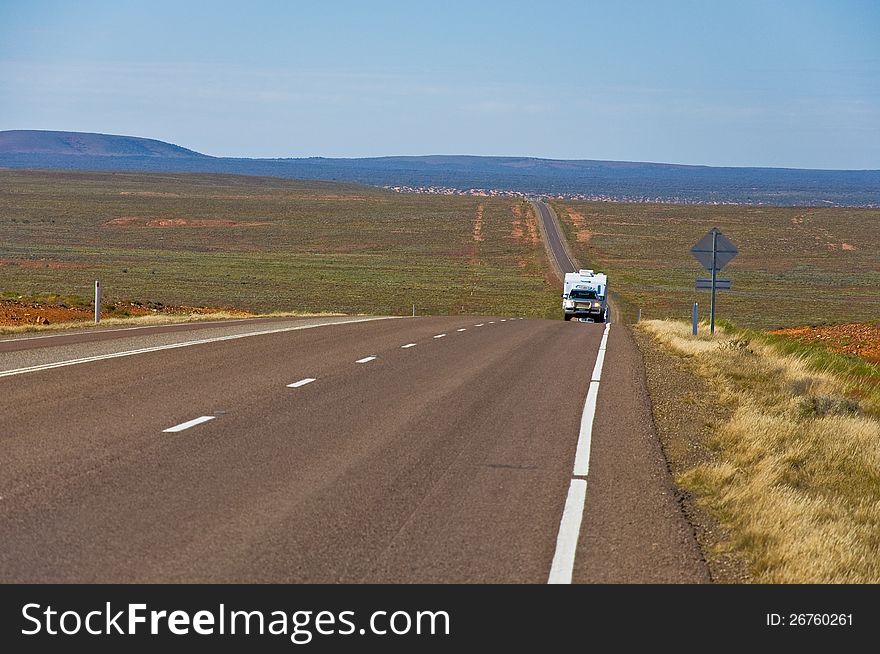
(480, 325)
(440, 335)
(562, 568)
(408, 345)
(171, 346)
(366, 359)
(301, 382)
(187, 424)
(463, 329)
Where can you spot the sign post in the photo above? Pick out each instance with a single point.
(714, 251)
(97, 301)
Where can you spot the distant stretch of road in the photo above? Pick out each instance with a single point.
(435, 449)
(555, 241)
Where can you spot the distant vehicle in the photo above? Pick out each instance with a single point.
(585, 296)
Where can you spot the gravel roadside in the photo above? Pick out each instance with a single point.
(684, 411)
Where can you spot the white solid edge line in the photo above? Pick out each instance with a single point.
(597, 369)
(301, 382)
(80, 332)
(365, 359)
(187, 424)
(408, 345)
(440, 335)
(562, 568)
(171, 346)
(585, 436)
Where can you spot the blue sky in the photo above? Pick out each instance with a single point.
(786, 83)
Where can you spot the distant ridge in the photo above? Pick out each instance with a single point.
(621, 181)
(26, 141)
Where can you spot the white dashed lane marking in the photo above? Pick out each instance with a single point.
(187, 424)
(171, 346)
(365, 359)
(408, 345)
(440, 335)
(301, 382)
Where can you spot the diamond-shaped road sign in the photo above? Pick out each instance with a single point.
(724, 250)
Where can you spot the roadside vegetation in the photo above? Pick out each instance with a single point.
(792, 473)
(265, 244)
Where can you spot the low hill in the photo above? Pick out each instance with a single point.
(39, 142)
(580, 179)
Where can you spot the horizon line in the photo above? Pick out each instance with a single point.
(438, 155)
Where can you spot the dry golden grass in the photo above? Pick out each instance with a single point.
(796, 476)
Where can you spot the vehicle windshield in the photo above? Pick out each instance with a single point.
(582, 295)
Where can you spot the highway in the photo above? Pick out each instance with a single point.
(462, 449)
(559, 255)
(436, 449)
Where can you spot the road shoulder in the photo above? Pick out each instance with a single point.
(683, 414)
(634, 529)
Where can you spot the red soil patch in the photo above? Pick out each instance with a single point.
(516, 232)
(860, 339)
(23, 312)
(478, 224)
(139, 221)
(525, 228)
(531, 225)
(583, 234)
(474, 255)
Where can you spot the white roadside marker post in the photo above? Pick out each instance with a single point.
(97, 301)
(695, 312)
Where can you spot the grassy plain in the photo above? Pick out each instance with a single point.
(795, 266)
(265, 244)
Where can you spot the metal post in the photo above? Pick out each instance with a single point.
(714, 280)
(97, 301)
(695, 314)
(414, 311)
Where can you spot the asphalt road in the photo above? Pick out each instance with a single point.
(561, 259)
(435, 449)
